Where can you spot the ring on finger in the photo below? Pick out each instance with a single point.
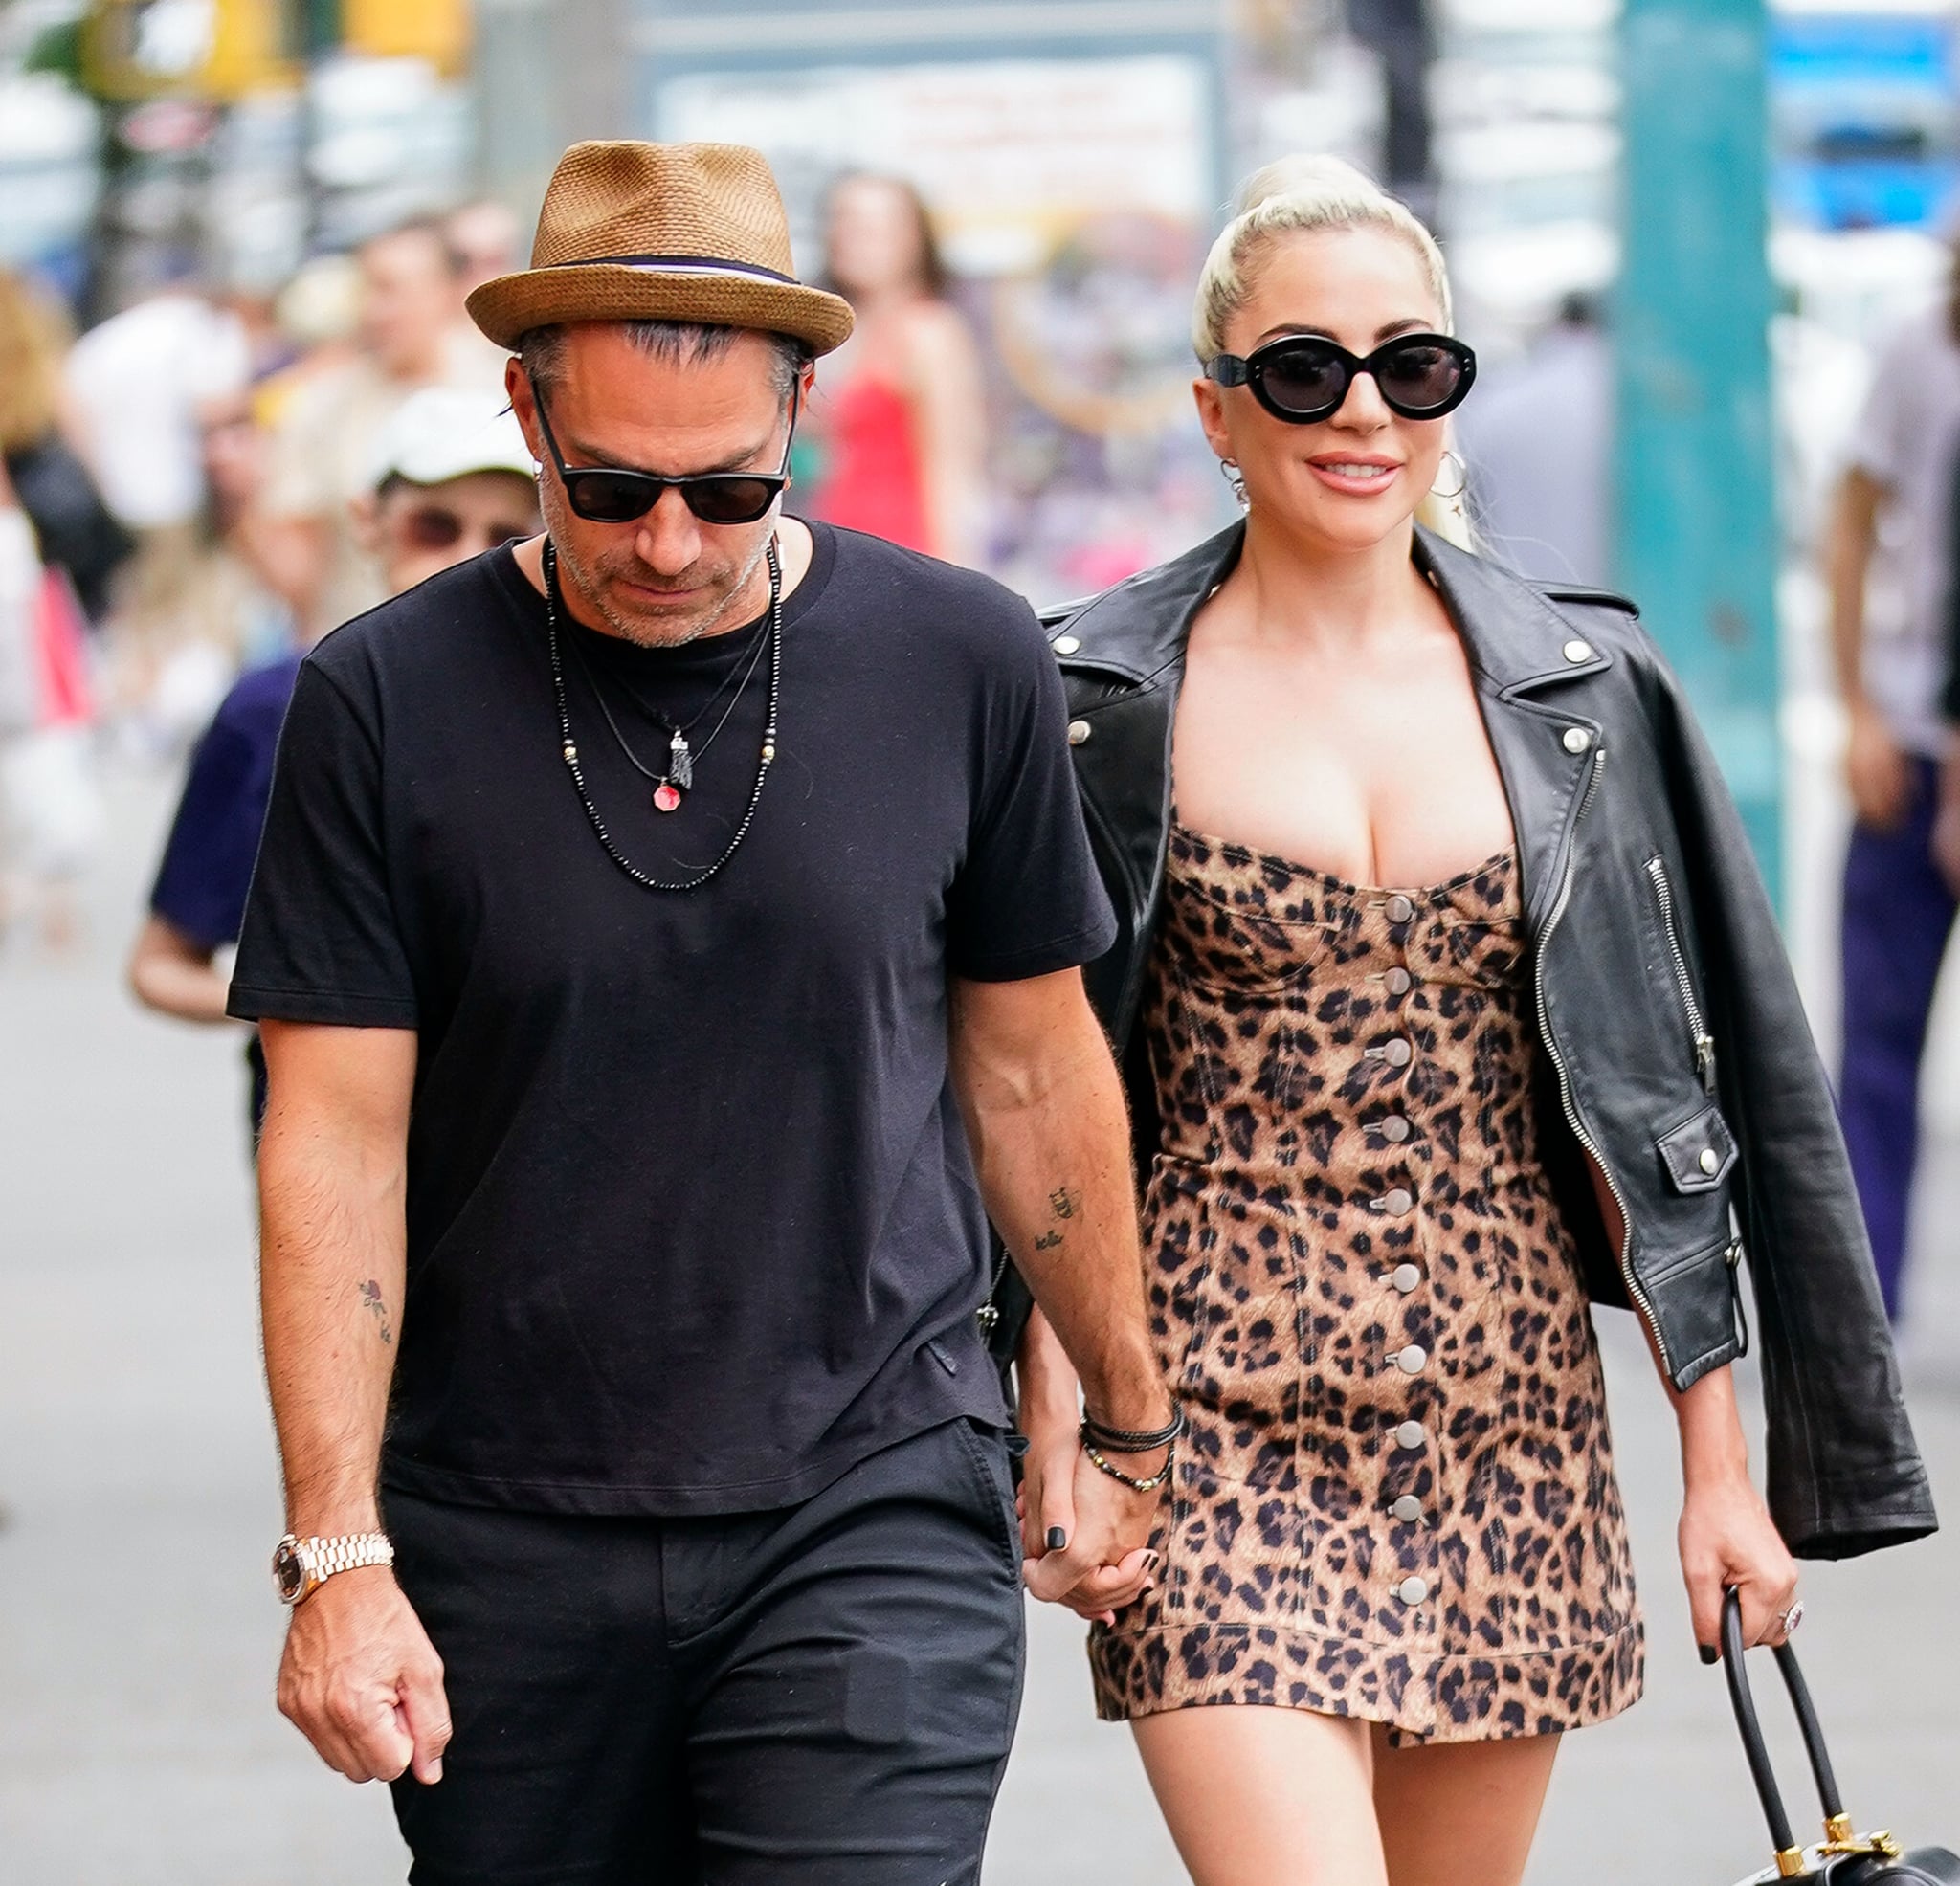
(1790, 1617)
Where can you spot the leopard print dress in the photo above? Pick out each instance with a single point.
(1396, 1500)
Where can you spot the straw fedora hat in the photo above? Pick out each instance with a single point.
(641, 231)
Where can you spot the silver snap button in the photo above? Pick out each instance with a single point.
(1408, 1509)
(1710, 1160)
(1413, 1590)
(1398, 1203)
(1406, 1277)
(1066, 644)
(1400, 909)
(1395, 1129)
(1399, 1053)
(1577, 740)
(1578, 651)
(1078, 732)
(1410, 1436)
(1399, 980)
(1411, 1360)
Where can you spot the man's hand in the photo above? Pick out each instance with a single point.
(362, 1682)
(1877, 773)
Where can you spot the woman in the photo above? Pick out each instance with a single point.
(1434, 911)
(901, 432)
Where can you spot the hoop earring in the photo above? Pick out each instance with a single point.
(1235, 479)
(1462, 476)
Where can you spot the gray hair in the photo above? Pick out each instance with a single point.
(1301, 194)
(541, 350)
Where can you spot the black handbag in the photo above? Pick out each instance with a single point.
(1842, 1858)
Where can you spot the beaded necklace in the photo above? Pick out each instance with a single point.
(569, 747)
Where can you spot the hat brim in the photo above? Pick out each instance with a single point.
(512, 305)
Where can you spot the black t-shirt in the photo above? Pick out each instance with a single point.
(692, 1221)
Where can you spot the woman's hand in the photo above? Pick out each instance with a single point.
(1726, 1534)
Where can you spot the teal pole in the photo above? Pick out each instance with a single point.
(1697, 536)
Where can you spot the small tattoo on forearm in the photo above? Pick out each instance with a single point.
(1048, 1241)
(371, 1299)
(1063, 1202)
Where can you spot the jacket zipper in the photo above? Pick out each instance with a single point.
(1704, 1041)
(1565, 1086)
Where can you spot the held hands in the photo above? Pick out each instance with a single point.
(1103, 1562)
(362, 1682)
(1728, 1539)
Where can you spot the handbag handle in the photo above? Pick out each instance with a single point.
(1836, 1825)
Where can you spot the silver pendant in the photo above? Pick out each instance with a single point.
(680, 762)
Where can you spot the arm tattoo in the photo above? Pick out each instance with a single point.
(370, 1299)
(1063, 1202)
(1047, 1241)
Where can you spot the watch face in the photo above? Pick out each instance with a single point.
(289, 1570)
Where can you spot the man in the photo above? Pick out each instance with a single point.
(408, 338)
(454, 477)
(648, 923)
(1891, 570)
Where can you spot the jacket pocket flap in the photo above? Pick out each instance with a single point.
(1699, 1152)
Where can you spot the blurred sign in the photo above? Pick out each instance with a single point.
(1072, 194)
(133, 50)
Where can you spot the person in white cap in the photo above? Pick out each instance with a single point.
(453, 477)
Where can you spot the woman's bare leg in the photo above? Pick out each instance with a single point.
(1461, 1811)
(1258, 1796)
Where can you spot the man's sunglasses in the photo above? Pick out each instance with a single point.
(436, 528)
(1301, 378)
(605, 493)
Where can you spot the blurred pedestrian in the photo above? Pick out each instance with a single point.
(1891, 570)
(454, 478)
(483, 237)
(898, 433)
(1397, 1142)
(678, 875)
(73, 529)
(1538, 444)
(324, 440)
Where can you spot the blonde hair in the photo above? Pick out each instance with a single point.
(33, 339)
(1300, 195)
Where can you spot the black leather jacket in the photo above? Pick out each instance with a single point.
(1675, 1045)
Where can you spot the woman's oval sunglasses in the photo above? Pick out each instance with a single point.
(609, 494)
(1301, 378)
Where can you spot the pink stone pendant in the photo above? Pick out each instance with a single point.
(667, 796)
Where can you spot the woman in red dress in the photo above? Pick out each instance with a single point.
(899, 420)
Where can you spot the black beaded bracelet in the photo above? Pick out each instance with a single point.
(1134, 1440)
(1135, 1482)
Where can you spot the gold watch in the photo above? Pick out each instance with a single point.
(301, 1566)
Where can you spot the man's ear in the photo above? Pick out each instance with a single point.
(523, 404)
(364, 509)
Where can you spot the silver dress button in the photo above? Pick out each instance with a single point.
(1399, 908)
(1399, 980)
(1407, 1276)
(1410, 1361)
(1577, 740)
(1575, 651)
(1413, 1590)
(1410, 1436)
(1395, 1129)
(1408, 1509)
(1078, 732)
(1397, 1052)
(1710, 1160)
(1066, 644)
(1398, 1203)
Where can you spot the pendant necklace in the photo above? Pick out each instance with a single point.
(673, 785)
(568, 748)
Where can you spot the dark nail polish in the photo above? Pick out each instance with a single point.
(1057, 1539)
(1709, 1655)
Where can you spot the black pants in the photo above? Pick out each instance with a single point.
(824, 1694)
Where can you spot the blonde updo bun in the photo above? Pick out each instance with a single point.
(1299, 194)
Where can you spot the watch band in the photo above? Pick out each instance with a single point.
(301, 1566)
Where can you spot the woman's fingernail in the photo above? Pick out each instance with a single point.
(1057, 1539)
(1709, 1655)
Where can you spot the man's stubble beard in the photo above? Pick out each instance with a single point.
(592, 588)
